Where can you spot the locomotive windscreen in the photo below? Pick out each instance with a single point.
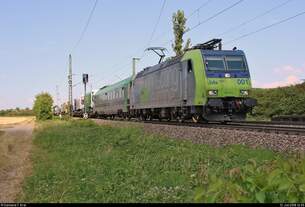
(235, 63)
(225, 63)
(215, 63)
(218, 63)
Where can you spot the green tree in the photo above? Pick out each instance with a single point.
(43, 106)
(179, 28)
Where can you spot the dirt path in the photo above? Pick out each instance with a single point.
(15, 148)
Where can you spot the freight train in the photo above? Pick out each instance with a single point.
(206, 83)
(78, 106)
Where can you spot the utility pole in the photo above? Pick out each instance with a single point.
(85, 81)
(57, 96)
(134, 67)
(70, 100)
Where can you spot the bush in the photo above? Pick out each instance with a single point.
(273, 182)
(43, 106)
(279, 101)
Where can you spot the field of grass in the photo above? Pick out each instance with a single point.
(14, 120)
(79, 161)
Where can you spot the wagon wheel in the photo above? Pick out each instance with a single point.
(196, 118)
(180, 119)
(149, 118)
(142, 118)
(85, 116)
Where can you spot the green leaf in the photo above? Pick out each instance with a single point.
(212, 199)
(284, 185)
(252, 162)
(302, 188)
(293, 199)
(273, 177)
(286, 166)
(260, 196)
(215, 186)
(199, 193)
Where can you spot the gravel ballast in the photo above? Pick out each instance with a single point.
(220, 137)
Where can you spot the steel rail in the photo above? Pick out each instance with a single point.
(266, 127)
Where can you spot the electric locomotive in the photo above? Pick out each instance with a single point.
(205, 83)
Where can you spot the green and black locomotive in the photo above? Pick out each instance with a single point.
(205, 83)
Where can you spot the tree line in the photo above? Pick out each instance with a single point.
(17, 112)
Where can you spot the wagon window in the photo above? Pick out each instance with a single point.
(215, 63)
(236, 63)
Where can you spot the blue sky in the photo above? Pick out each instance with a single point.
(37, 36)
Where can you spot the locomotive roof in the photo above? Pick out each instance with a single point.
(222, 52)
(178, 59)
(114, 86)
(160, 66)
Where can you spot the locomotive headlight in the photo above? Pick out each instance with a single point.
(244, 92)
(213, 92)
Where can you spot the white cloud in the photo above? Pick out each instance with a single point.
(290, 76)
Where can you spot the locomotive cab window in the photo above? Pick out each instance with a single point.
(215, 63)
(236, 63)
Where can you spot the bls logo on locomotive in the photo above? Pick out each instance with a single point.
(213, 82)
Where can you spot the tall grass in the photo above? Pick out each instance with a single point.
(78, 161)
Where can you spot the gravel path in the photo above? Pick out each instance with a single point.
(15, 147)
(221, 137)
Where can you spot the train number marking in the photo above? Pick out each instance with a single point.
(243, 82)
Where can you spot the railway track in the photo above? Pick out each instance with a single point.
(282, 123)
(242, 126)
(260, 126)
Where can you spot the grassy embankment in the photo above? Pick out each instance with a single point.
(80, 161)
(279, 101)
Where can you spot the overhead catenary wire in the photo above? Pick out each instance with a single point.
(206, 20)
(199, 8)
(86, 25)
(206, 3)
(154, 30)
(157, 23)
(265, 28)
(255, 18)
(210, 18)
(150, 38)
(120, 69)
(215, 15)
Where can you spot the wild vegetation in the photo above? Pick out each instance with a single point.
(279, 101)
(43, 106)
(79, 161)
(179, 29)
(275, 181)
(17, 112)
